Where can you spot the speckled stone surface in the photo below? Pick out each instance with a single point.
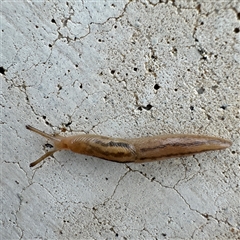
(121, 69)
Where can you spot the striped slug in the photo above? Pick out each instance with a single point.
(137, 150)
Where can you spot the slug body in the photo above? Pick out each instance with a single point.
(136, 150)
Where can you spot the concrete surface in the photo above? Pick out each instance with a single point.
(123, 69)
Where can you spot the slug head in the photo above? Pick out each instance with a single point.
(57, 142)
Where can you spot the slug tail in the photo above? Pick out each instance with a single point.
(223, 143)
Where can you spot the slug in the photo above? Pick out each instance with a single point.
(137, 150)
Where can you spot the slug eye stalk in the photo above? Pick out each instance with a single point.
(47, 154)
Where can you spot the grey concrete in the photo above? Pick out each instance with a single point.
(123, 69)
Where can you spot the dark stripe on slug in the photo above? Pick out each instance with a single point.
(172, 155)
(113, 144)
(105, 147)
(126, 153)
(179, 144)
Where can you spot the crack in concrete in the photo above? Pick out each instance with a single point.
(23, 88)
(95, 208)
(115, 18)
(149, 179)
(64, 24)
(185, 173)
(146, 230)
(100, 223)
(205, 215)
(20, 200)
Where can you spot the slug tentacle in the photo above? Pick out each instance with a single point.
(136, 150)
(47, 154)
(51, 137)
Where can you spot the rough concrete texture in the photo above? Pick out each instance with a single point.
(123, 69)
